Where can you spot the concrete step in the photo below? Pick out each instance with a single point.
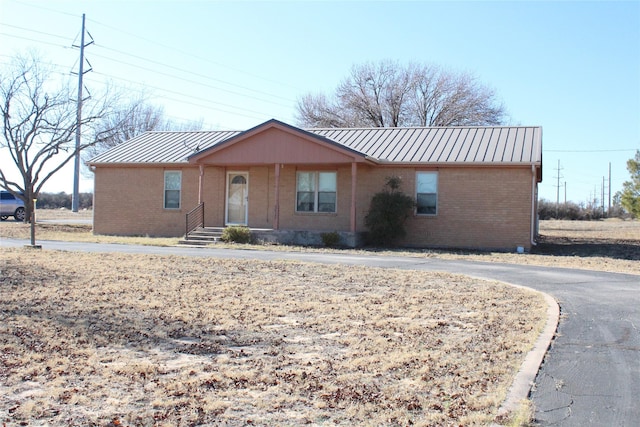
(203, 236)
(194, 243)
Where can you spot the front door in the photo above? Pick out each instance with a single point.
(237, 198)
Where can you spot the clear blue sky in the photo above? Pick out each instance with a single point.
(571, 67)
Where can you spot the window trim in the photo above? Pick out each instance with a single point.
(316, 192)
(164, 192)
(437, 175)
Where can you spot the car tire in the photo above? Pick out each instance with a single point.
(19, 214)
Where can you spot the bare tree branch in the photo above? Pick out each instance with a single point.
(387, 94)
(39, 125)
(136, 117)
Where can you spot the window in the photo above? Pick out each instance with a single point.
(316, 192)
(427, 193)
(172, 185)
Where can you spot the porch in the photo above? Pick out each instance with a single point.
(197, 233)
(203, 236)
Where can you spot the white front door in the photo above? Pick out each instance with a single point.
(237, 198)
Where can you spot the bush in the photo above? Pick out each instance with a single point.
(387, 214)
(236, 234)
(330, 240)
(63, 200)
(576, 212)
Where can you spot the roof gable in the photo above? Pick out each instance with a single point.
(276, 142)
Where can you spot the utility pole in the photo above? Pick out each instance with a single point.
(558, 188)
(565, 192)
(76, 175)
(609, 209)
(602, 200)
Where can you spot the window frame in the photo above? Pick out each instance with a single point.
(179, 190)
(316, 192)
(436, 193)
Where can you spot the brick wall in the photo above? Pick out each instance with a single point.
(129, 201)
(477, 207)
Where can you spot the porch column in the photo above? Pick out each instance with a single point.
(200, 180)
(276, 214)
(354, 180)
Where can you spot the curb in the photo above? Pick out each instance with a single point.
(526, 375)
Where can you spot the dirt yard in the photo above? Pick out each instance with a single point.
(97, 339)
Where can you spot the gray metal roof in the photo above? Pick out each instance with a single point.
(443, 144)
(162, 147)
(465, 145)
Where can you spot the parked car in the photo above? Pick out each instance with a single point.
(10, 205)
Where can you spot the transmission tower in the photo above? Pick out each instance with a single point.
(558, 177)
(81, 72)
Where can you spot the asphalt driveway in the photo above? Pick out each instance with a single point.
(591, 373)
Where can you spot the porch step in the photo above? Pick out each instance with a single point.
(203, 236)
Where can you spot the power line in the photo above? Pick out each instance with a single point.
(198, 75)
(166, 74)
(158, 62)
(175, 49)
(193, 55)
(34, 31)
(152, 70)
(191, 97)
(32, 40)
(48, 9)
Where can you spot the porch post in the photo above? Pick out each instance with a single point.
(276, 214)
(200, 179)
(354, 180)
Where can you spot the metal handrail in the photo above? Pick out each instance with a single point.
(195, 219)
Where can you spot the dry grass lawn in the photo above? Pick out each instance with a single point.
(611, 245)
(109, 339)
(609, 229)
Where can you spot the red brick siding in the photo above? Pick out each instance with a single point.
(129, 202)
(477, 207)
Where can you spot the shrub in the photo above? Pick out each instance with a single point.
(236, 234)
(331, 239)
(63, 200)
(573, 211)
(387, 214)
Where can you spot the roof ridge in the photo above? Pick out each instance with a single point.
(423, 127)
(190, 131)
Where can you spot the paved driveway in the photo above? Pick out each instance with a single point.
(591, 374)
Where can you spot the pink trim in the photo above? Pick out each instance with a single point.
(354, 181)
(276, 216)
(200, 178)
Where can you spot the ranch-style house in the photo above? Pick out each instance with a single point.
(475, 187)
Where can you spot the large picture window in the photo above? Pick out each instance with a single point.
(427, 193)
(316, 192)
(172, 187)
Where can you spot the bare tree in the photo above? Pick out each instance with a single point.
(316, 111)
(386, 94)
(39, 125)
(134, 118)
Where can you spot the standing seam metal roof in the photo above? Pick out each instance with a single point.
(465, 145)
